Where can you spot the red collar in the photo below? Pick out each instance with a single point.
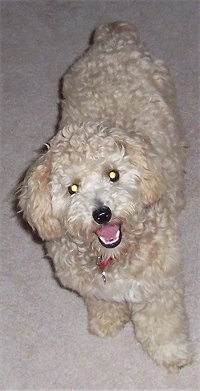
(105, 263)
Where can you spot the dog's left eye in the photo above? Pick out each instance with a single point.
(113, 175)
(72, 189)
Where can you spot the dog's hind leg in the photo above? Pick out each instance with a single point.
(106, 318)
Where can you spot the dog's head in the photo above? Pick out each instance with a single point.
(91, 183)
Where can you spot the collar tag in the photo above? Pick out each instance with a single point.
(102, 266)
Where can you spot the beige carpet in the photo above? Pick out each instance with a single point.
(45, 344)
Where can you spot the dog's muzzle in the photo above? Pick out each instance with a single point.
(109, 235)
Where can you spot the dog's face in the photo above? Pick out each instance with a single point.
(91, 185)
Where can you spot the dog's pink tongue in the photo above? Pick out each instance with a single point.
(109, 232)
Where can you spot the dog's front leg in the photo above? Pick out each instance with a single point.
(106, 318)
(162, 328)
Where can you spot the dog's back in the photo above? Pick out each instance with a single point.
(114, 80)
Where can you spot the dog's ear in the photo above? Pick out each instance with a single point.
(35, 199)
(151, 185)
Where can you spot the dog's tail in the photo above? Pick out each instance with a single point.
(107, 31)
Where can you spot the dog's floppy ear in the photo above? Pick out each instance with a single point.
(151, 185)
(35, 199)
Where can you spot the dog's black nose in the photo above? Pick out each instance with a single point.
(102, 215)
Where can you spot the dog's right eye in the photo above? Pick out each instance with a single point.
(113, 175)
(72, 189)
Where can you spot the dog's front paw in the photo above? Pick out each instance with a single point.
(105, 327)
(174, 356)
(106, 318)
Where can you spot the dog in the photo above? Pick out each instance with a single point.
(106, 194)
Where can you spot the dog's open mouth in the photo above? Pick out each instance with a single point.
(109, 235)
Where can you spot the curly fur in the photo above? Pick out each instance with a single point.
(119, 113)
